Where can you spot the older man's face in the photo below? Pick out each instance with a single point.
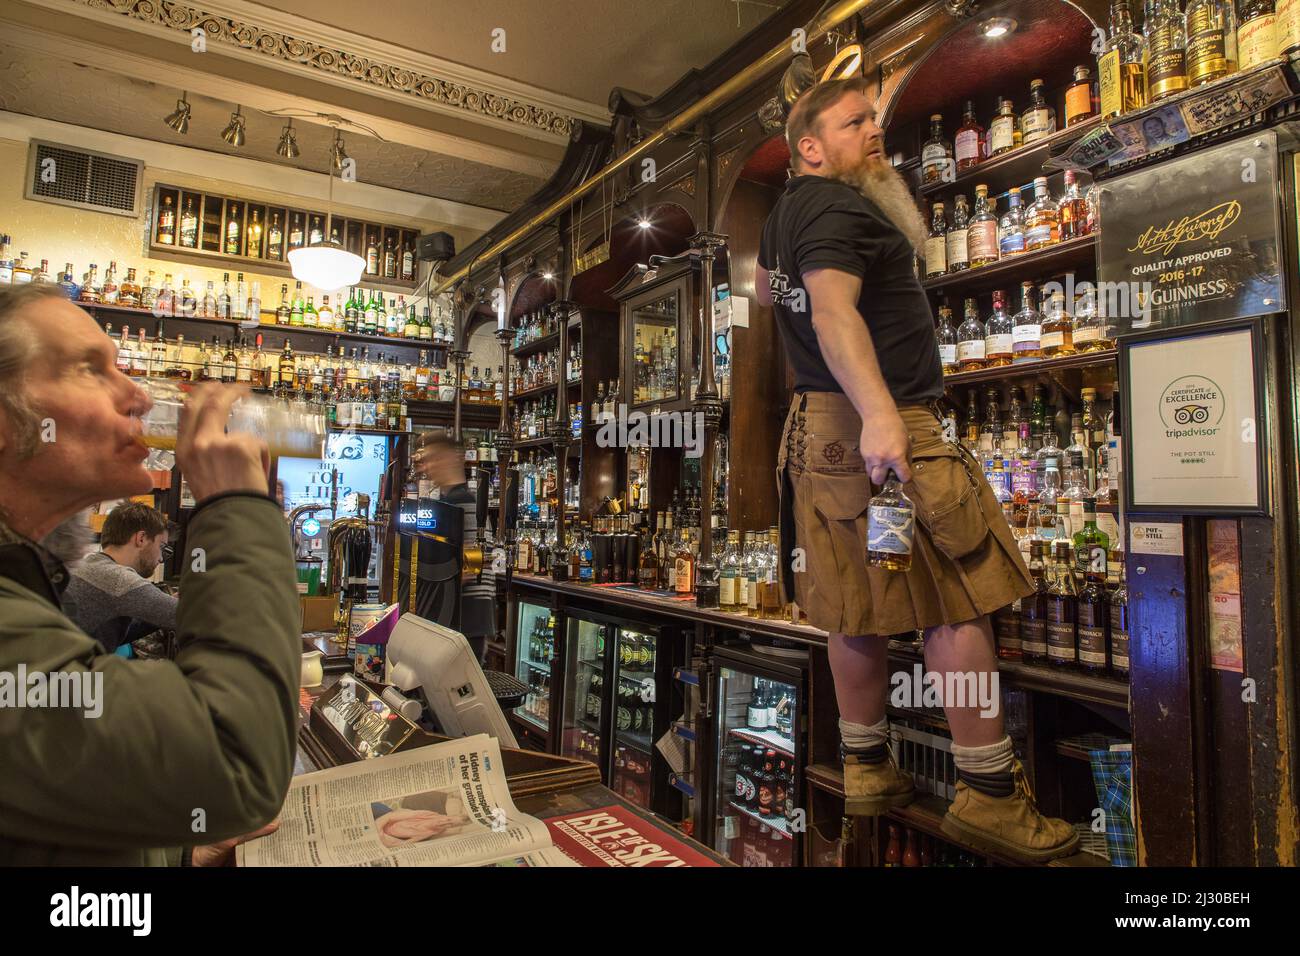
(848, 140)
(85, 405)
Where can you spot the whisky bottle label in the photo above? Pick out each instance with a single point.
(1087, 333)
(1092, 634)
(889, 529)
(1256, 41)
(1039, 235)
(1060, 637)
(1166, 63)
(947, 354)
(1206, 49)
(957, 248)
(1287, 24)
(998, 344)
(982, 239)
(968, 145)
(1026, 336)
(751, 593)
(1119, 637)
(1001, 133)
(1078, 101)
(1053, 340)
(936, 255)
(727, 589)
(1011, 242)
(1108, 83)
(1033, 636)
(1037, 124)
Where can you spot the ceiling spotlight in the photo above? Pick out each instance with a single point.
(179, 118)
(337, 154)
(643, 222)
(288, 147)
(996, 27)
(233, 134)
(548, 276)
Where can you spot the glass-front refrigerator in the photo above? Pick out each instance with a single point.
(534, 654)
(758, 815)
(589, 645)
(635, 695)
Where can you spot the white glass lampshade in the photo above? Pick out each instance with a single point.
(326, 265)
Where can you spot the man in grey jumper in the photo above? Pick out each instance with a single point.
(109, 596)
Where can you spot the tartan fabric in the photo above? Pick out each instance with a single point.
(1112, 776)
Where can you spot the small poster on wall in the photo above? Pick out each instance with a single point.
(1196, 438)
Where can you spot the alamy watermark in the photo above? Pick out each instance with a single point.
(1114, 300)
(674, 429)
(922, 688)
(74, 690)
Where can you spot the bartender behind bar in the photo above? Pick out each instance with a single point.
(439, 460)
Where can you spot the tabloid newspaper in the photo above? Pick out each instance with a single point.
(442, 805)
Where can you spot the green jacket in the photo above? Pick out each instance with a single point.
(183, 752)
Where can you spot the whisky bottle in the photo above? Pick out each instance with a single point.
(232, 230)
(239, 304)
(1058, 329)
(684, 566)
(1033, 609)
(167, 223)
(325, 316)
(390, 260)
(1078, 97)
(107, 292)
(1011, 230)
(729, 567)
(297, 307)
(771, 603)
(936, 245)
(1006, 632)
(1038, 121)
(958, 249)
(891, 519)
(1121, 71)
(1287, 25)
(1166, 49)
(1042, 218)
(189, 225)
(69, 284)
(1257, 38)
(224, 305)
(1062, 609)
(140, 357)
(982, 234)
(90, 287)
(123, 360)
(1027, 326)
(229, 363)
(316, 234)
(275, 239)
(148, 291)
(947, 337)
(128, 293)
(295, 233)
(310, 319)
(1093, 649)
(1211, 40)
(1073, 210)
(969, 140)
(288, 368)
(372, 257)
(253, 239)
(970, 340)
(998, 337)
(755, 575)
(936, 155)
(1118, 607)
(408, 264)
(1003, 129)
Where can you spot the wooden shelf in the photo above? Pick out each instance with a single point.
(1107, 691)
(1019, 167)
(263, 326)
(1040, 368)
(542, 390)
(547, 341)
(1007, 273)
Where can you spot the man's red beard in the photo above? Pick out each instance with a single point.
(874, 177)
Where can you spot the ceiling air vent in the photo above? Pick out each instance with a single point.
(83, 178)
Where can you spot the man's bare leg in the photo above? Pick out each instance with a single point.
(966, 648)
(860, 667)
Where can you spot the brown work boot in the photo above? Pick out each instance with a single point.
(872, 788)
(1008, 826)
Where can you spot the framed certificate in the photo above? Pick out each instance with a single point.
(1195, 428)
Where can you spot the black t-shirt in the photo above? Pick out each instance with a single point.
(819, 223)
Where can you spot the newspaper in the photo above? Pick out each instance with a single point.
(442, 805)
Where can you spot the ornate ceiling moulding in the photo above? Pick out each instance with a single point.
(281, 46)
(686, 184)
(724, 161)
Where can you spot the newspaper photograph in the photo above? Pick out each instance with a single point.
(443, 805)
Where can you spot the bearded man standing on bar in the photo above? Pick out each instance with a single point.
(836, 265)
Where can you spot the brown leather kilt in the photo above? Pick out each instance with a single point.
(965, 561)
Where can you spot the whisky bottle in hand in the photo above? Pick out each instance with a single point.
(890, 523)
